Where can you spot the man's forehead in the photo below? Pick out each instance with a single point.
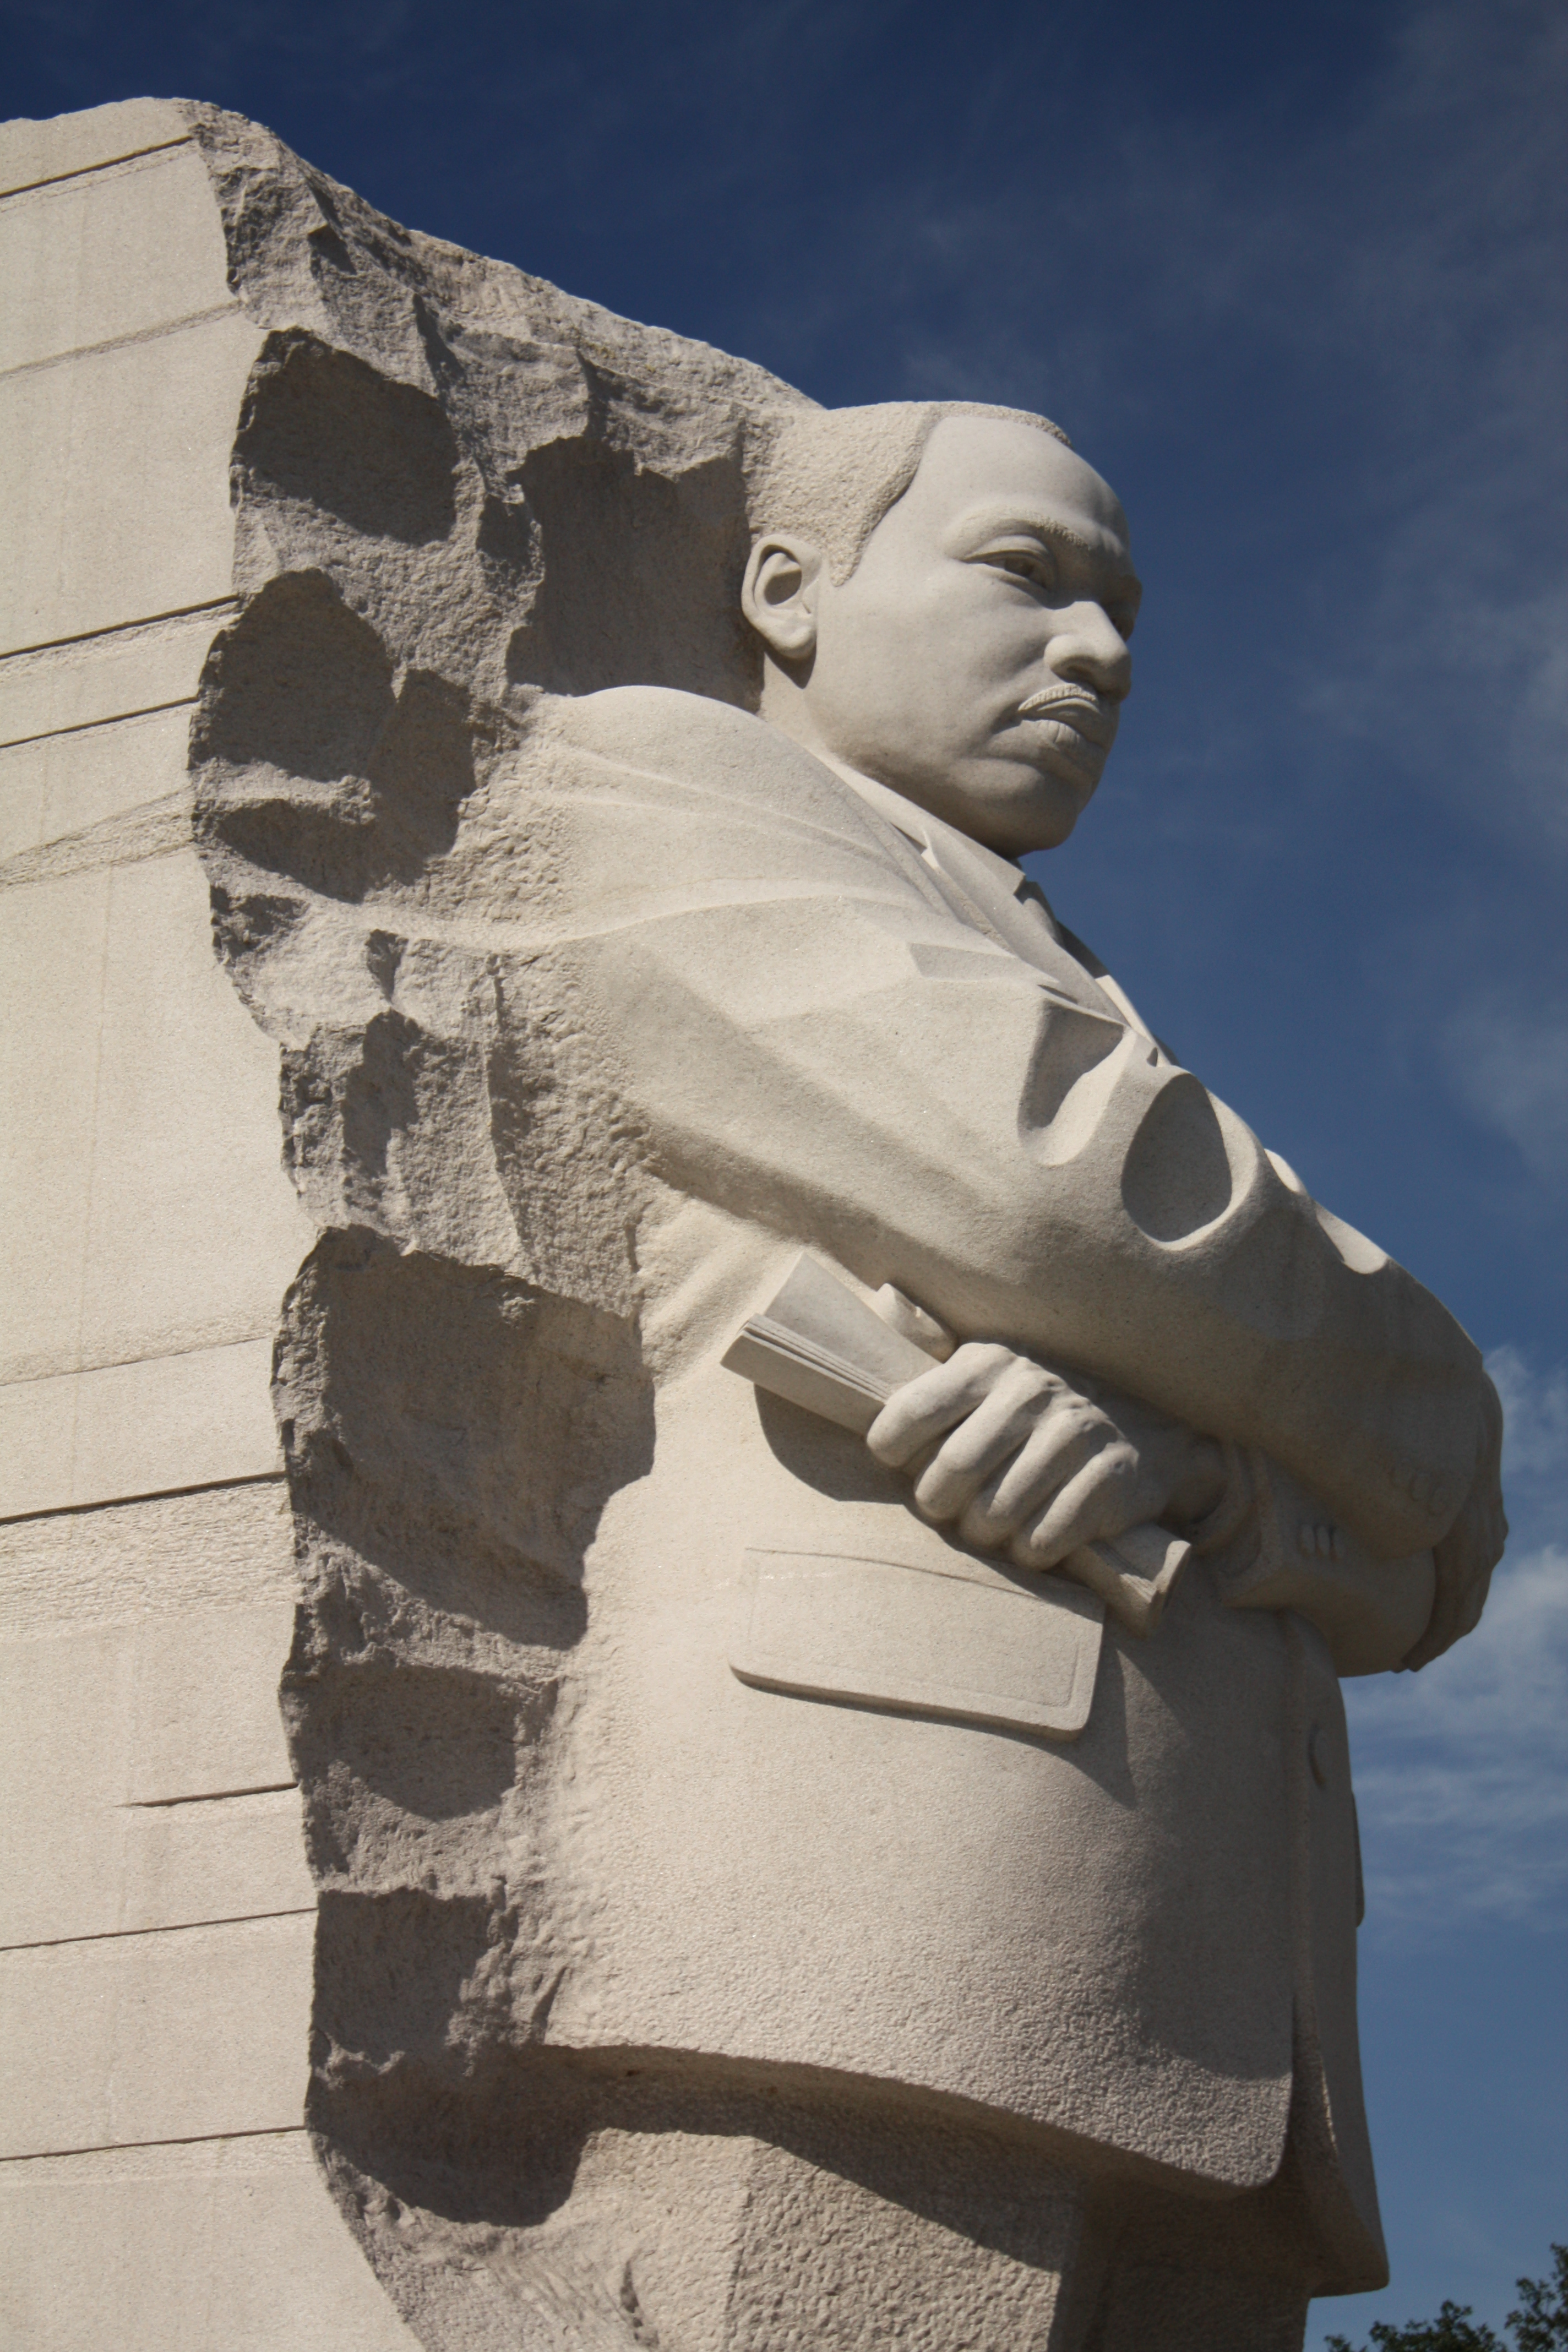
(1000, 466)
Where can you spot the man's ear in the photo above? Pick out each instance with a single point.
(778, 595)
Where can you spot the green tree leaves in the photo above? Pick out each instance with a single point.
(1540, 2324)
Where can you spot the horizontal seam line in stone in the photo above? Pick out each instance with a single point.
(104, 163)
(117, 628)
(120, 342)
(203, 1797)
(152, 1356)
(179, 1927)
(130, 2147)
(86, 725)
(151, 829)
(142, 1495)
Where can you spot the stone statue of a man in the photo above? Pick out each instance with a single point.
(853, 1932)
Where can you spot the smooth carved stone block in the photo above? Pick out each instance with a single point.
(51, 977)
(179, 2035)
(98, 258)
(149, 1215)
(119, 1745)
(195, 1231)
(214, 1858)
(157, 1989)
(143, 666)
(149, 1427)
(115, 1871)
(93, 542)
(59, 785)
(219, 1548)
(226, 2241)
(34, 152)
(206, 1721)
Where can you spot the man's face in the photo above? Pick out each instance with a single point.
(977, 658)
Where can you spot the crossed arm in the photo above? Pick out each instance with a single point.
(1026, 1461)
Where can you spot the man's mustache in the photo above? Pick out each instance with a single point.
(1074, 701)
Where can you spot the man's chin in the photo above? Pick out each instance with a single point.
(1035, 814)
(1030, 809)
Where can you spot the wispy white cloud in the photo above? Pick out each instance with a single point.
(1535, 1419)
(1507, 1063)
(1462, 1770)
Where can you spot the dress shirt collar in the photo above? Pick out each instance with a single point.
(940, 843)
(1015, 909)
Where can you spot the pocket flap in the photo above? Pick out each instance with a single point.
(1019, 1655)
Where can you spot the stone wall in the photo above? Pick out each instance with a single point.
(157, 2191)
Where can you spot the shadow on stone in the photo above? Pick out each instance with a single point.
(427, 1408)
(312, 762)
(332, 433)
(641, 573)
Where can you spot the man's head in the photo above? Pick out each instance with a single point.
(944, 595)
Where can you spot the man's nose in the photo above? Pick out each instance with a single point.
(1089, 649)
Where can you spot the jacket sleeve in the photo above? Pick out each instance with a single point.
(802, 1031)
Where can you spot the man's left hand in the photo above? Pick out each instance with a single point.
(1026, 1461)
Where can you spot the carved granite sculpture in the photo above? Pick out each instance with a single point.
(778, 1885)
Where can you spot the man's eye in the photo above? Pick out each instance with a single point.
(1023, 566)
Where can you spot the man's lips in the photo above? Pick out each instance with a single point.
(1085, 712)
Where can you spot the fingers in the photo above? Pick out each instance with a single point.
(1023, 1461)
(1110, 1494)
(926, 1408)
(1049, 1433)
(1018, 1457)
(1062, 1442)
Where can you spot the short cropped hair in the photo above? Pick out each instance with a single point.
(829, 475)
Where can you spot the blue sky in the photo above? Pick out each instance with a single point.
(1296, 280)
